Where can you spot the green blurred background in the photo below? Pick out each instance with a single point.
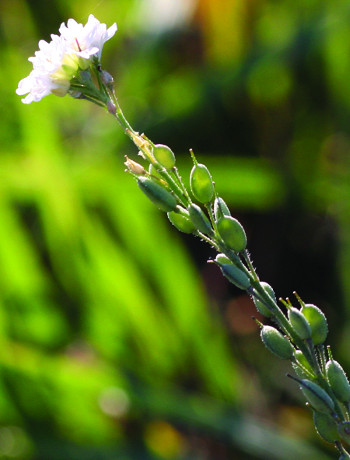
(117, 340)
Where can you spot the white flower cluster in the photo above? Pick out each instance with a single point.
(57, 62)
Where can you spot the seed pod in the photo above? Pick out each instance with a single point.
(235, 276)
(232, 233)
(157, 194)
(302, 361)
(317, 321)
(201, 183)
(260, 306)
(164, 156)
(220, 208)
(338, 380)
(276, 342)
(199, 219)
(221, 259)
(317, 396)
(182, 222)
(299, 323)
(344, 456)
(300, 373)
(344, 431)
(326, 427)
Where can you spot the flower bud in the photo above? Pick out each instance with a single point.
(107, 79)
(112, 109)
(201, 183)
(299, 323)
(157, 194)
(326, 427)
(316, 396)
(235, 276)
(317, 322)
(164, 156)
(134, 167)
(181, 221)
(220, 208)
(199, 219)
(232, 233)
(260, 306)
(344, 431)
(276, 342)
(338, 380)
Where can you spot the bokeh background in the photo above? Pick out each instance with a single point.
(117, 339)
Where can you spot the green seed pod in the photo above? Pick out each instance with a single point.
(338, 380)
(317, 396)
(199, 219)
(344, 431)
(276, 342)
(201, 183)
(164, 156)
(220, 208)
(300, 373)
(344, 456)
(326, 427)
(260, 306)
(221, 259)
(232, 233)
(182, 222)
(299, 323)
(317, 321)
(235, 276)
(157, 194)
(302, 361)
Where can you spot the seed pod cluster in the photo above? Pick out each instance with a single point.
(261, 306)
(157, 194)
(276, 342)
(201, 183)
(232, 233)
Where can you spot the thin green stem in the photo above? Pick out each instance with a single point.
(316, 364)
(211, 215)
(250, 264)
(182, 197)
(176, 172)
(120, 115)
(212, 243)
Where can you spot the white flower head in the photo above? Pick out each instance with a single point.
(89, 39)
(58, 61)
